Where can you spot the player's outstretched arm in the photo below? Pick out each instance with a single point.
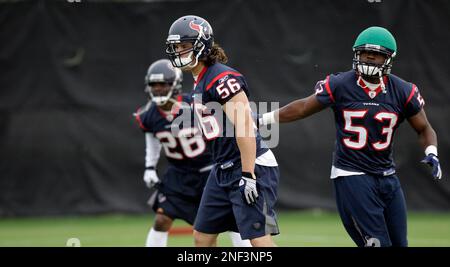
(428, 140)
(296, 110)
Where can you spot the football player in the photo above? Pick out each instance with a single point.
(178, 193)
(369, 103)
(241, 190)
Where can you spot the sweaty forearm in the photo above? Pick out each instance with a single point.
(246, 141)
(296, 110)
(291, 112)
(428, 137)
(247, 148)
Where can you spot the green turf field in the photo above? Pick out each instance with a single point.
(301, 229)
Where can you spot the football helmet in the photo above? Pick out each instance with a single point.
(379, 40)
(192, 29)
(162, 71)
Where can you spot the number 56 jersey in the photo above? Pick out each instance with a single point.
(366, 120)
(214, 87)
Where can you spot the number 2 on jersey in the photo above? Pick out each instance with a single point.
(192, 144)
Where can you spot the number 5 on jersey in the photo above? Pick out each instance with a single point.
(227, 88)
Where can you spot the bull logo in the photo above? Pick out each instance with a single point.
(202, 30)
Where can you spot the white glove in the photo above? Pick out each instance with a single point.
(248, 189)
(150, 178)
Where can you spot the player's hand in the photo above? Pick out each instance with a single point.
(247, 185)
(151, 178)
(433, 161)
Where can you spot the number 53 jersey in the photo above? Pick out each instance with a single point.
(366, 119)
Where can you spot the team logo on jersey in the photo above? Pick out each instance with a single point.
(372, 94)
(222, 80)
(201, 29)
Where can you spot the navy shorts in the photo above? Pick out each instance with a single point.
(223, 207)
(178, 195)
(372, 209)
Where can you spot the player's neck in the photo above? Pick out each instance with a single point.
(373, 80)
(167, 106)
(197, 69)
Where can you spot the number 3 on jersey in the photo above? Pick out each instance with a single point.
(361, 131)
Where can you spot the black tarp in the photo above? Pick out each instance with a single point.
(71, 75)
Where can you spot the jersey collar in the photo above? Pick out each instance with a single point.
(371, 93)
(174, 110)
(200, 76)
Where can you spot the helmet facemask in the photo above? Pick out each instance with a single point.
(174, 88)
(179, 60)
(369, 69)
(162, 99)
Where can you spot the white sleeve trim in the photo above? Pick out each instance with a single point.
(152, 150)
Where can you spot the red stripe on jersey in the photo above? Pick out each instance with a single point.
(386, 80)
(327, 87)
(411, 94)
(138, 119)
(200, 76)
(177, 107)
(221, 76)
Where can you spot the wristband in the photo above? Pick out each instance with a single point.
(247, 175)
(268, 118)
(431, 150)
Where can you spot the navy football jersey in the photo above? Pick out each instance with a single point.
(367, 120)
(216, 85)
(184, 149)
